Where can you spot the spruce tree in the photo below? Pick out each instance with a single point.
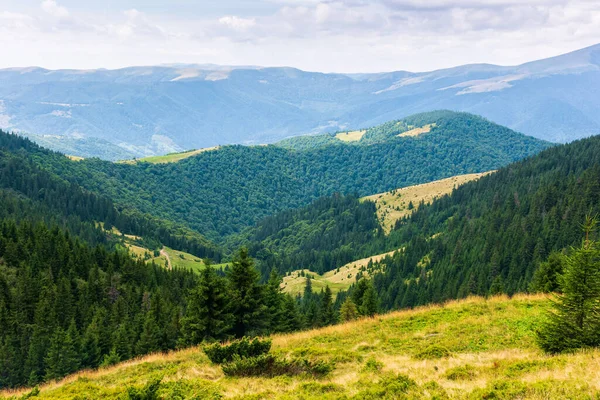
(208, 314)
(62, 358)
(274, 301)
(150, 337)
(348, 311)
(90, 346)
(370, 304)
(327, 313)
(291, 318)
(545, 278)
(575, 319)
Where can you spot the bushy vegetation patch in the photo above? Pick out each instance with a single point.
(268, 365)
(389, 387)
(433, 352)
(240, 349)
(372, 365)
(148, 392)
(461, 373)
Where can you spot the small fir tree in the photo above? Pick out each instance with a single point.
(348, 311)
(575, 319)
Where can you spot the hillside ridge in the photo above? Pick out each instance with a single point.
(491, 353)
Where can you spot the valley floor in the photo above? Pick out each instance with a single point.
(471, 349)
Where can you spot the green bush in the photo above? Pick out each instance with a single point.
(34, 393)
(461, 373)
(389, 387)
(268, 365)
(240, 349)
(372, 365)
(148, 392)
(433, 352)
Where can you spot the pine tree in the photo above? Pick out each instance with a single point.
(327, 313)
(150, 337)
(348, 311)
(274, 301)
(545, 278)
(575, 320)
(370, 304)
(62, 358)
(358, 291)
(291, 318)
(246, 294)
(90, 346)
(208, 314)
(122, 342)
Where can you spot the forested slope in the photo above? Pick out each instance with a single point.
(218, 193)
(489, 236)
(34, 193)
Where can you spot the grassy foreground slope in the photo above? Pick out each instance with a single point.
(491, 354)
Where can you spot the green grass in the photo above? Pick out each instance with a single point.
(490, 353)
(168, 158)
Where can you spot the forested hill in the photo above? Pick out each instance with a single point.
(30, 192)
(219, 192)
(491, 235)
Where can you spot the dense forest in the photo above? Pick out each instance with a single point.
(491, 235)
(31, 192)
(328, 233)
(66, 305)
(218, 193)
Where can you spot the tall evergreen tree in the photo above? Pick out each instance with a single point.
(328, 316)
(274, 301)
(370, 303)
(208, 313)
(291, 317)
(150, 337)
(348, 311)
(246, 295)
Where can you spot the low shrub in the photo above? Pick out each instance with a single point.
(244, 348)
(268, 365)
(433, 352)
(148, 392)
(462, 373)
(390, 387)
(372, 365)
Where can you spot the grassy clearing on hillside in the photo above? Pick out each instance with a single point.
(74, 158)
(169, 158)
(489, 348)
(339, 279)
(394, 205)
(353, 136)
(417, 131)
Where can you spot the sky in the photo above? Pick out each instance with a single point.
(315, 35)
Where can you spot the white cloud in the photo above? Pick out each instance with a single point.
(329, 35)
(237, 23)
(52, 8)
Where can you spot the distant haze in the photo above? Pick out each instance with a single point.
(116, 114)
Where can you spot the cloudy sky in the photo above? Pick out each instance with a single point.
(317, 35)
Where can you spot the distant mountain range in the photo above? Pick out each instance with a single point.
(141, 111)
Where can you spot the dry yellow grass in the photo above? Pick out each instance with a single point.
(353, 136)
(417, 131)
(337, 280)
(394, 205)
(74, 158)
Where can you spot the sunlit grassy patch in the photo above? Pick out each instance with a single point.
(491, 354)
